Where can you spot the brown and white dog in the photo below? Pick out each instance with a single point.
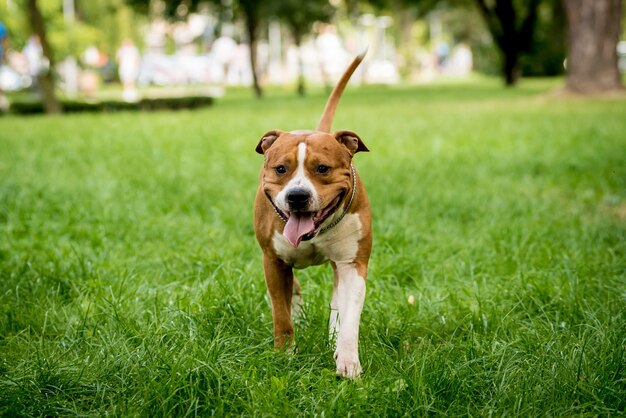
(311, 208)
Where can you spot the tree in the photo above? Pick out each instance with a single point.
(46, 81)
(111, 21)
(512, 27)
(547, 52)
(170, 9)
(299, 16)
(405, 14)
(593, 33)
(252, 12)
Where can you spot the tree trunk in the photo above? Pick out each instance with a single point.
(593, 33)
(511, 66)
(50, 102)
(512, 28)
(406, 17)
(251, 27)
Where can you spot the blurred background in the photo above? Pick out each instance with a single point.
(130, 280)
(129, 50)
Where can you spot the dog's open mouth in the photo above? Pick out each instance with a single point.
(303, 226)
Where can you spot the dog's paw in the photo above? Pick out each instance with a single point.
(348, 364)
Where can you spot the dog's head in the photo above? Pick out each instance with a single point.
(307, 176)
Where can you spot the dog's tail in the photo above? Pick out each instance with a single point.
(331, 105)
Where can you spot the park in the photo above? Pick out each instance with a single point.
(131, 283)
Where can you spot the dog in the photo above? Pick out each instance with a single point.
(311, 208)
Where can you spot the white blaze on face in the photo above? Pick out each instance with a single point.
(299, 180)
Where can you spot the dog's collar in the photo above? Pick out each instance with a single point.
(345, 211)
(279, 212)
(334, 223)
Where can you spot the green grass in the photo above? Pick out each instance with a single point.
(131, 283)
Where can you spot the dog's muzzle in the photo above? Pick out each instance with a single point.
(298, 199)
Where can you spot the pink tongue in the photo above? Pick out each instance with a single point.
(297, 227)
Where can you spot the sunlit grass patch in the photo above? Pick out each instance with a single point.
(131, 283)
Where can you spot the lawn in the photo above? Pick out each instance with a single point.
(131, 283)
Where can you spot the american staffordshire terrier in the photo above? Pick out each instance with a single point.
(311, 208)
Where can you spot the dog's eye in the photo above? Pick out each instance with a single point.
(322, 169)
(281, 169)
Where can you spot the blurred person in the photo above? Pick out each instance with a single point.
(461, 60)
(442, 50)
(331, 53)
(91, 56)
(129, 61)
(224, 52)
(240, 73)
(184, 38)
(89, 79)
(155, 38)
(33, 52)
(4, 47)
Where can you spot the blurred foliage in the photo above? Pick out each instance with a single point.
(102, 23)
(547, 49)
(422, 6)
(114, 20)
(173, 9)
(16, 23)
(512, 25)
(464, 24)
(105, 23)
(299, 16)
(547, 52)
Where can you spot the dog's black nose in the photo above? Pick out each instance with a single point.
(298, 198)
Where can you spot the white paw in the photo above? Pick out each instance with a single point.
(348, 364)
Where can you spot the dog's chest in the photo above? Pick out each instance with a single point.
(340, 245)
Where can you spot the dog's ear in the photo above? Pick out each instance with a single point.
(267, 140)
(351, 141)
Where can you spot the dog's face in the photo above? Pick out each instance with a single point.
(307, 176)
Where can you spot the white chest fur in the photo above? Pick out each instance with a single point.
(339, 244)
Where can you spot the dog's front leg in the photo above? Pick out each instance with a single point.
(279, 280)
(348, 296)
